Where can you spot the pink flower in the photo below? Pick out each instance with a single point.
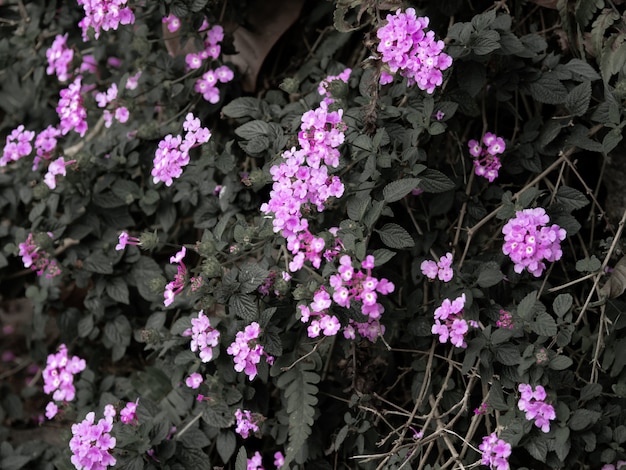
(128, 414)
(194, 380)
(172, 23)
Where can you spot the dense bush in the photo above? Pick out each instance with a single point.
(351, 234)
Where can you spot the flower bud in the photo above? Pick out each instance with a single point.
(148, 240)
(290, 85)
(211, 267)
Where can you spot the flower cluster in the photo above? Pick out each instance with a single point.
(203, 336)
(58, 377)
(45, 144)
(18, 145)
(496, 452)
(256, 462)
(371, 329)
(450, 324)
(91, 443)
(207, 85)
(246, 423)
(408, 49)
(301, 180)
(128, 414)
(505, 320)
(37, 259)
(487, 163)
(178, 284)
(56, 168)
(441, 269)
(103, 99)
(532, 402)
(528, 240)
(247, 351)
(59, 58)
(194, 380)
(173, 152)
(105, 15)
(70, 109)
(279, 459)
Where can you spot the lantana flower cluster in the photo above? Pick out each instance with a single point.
(104, 15)
(505, 321)
(349, 285)
(207, 84)
(450, 324)
(45, 144)
(529, 240)
(58, 377)
(203, 336)
(17, 145)
(71, 110)
(246, 423)
(256, 462)
(532, 402)
(128, 414)
(92, 442)
(59, 58)
(408, 49)
(56, 168)
(247, 351)
(487, 163)
(301, 180)
(496, 452)
(37, 259)
(441, 269)
(172, 23)
(173, 152)
(619, 464)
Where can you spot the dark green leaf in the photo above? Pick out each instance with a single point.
(194, 439)
(242, 459)
(244, 306)
(507, 354)
(489, 275)
(98, 262)
(616, 285)
(585, 9)
(243, 107)
(548, 89)
(589, 265)
(526, 306)
(226, 443)
(560, 362)
(382, 255)
(433, 181)
(590, 391)
(562, 304)
(582, 69)
(396, 190)
(544, 325)
(395, 236)
(485, 42)
(583, 418)
(117, 289)
(577, 101)
(538, 448)
(253, 129)
(217, 414)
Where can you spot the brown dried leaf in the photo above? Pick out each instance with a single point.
(268, 19)
(616, 284)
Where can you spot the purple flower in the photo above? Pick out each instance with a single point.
(495, 452)
(172, 23)
(128, 414)
(203, 337)
(256, 462)
(17, 145)
(528, 241)
(408, 49)
(104, 15)
(535, 408)
(449, 322)
(59, 58)
(247, 351)
(246, 423)
(487, 164)
(59, 374)
(70, 109)
(279, 459)
(91, 443)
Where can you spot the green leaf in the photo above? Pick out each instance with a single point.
(589, 265)
(562, 304)
(590, 391)
(489, 275)
(382, 255)
(538, 448)
(583, 418)
(571, 198)
(194, 439)
(434, 181)
(526, 306)
(616, 285)
(507, 354)
(300, 392)
(396, 190)
(217, 414)
(544, 325)
(577, 101)
(117, 289)
(585, 10)
(98, 262)
(485, 42)
(85, 326)
(244, 306)
(242, 459)
(251, 276)
(395, 236)
(226, 443)
(252, 129)
(582, 69)
(243, 107)
(14, 462)
(560, 362)
(548, 89)
(357, 206)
